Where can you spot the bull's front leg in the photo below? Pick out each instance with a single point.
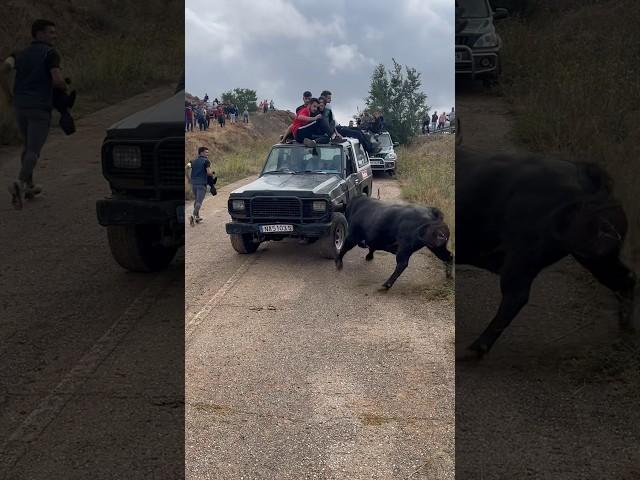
(447, 257)
(615, 275)
(402, 262)
(369, 256)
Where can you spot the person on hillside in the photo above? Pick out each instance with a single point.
(442, 119)
(434, 120)
(194, 109)
(271, 105)
(245, 115)
(37, 75)
(200, 117)
(221, 116)
(266, 106)
(188, 118)
(287, 136)
(197, 171)
(425, 124)
(232, 113)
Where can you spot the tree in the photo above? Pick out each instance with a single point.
(397, 94)
(241, 98)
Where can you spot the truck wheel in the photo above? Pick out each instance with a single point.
(243, 243)
(331, 243)
(137, 247)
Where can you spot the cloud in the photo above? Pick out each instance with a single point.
(283, 47)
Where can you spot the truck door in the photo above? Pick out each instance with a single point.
(365, 175)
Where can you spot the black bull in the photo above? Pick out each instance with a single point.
(398, 229)
(517, 215)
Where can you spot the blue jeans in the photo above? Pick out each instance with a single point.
(199, 191)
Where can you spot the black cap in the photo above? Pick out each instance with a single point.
(307, 94)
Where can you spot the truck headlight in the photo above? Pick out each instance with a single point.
(237, 205)
(488, 40)
(391, 156)
(126, 156)
(319, 206)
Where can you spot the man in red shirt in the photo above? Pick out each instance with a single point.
(307, 125)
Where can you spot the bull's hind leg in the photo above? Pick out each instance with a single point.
(616, 276)
(402, 262)
(369, 256)
(349, 243)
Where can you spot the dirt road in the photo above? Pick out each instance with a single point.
(297, 371)
(557, 396)
(86, 346)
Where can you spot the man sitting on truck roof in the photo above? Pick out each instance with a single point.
(306, 96)
(341, 131)
(307, 127)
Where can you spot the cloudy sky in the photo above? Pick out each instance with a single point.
(282, 47)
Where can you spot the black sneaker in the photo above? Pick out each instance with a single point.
(199, 219)
(309, 143)
(31, 191)
(15, 189)
(191, 220)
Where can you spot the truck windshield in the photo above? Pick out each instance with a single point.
(295, 159)
(385, 140)
(473, 8)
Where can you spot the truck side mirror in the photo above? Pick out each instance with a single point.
(500, 13)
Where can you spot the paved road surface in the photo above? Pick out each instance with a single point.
(297, 371)
(91, 355)
(557, 396)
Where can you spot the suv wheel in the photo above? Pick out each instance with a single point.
(243, 243)
(331, 244)
(137, 247)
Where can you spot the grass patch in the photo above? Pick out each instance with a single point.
(110, 50)
(426, 173)
(577, 101)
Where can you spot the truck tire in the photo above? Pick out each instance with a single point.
(330, 244)
(136, 247)
(243, 243)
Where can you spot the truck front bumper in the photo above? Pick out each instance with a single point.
(477, 62)
(112, 211)
(306, 230)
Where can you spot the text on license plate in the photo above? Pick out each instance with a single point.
(276, 228)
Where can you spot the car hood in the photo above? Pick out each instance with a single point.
(478, 26)
(170, 110)
(282, 184)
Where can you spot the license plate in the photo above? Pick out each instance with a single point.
(180, 213)
(376, 162)
(276, 228)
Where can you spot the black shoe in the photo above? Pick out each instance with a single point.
(15, 189)
(30, 191)
(309, 143)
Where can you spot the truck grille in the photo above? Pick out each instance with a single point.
(171, 162)
(264, 207)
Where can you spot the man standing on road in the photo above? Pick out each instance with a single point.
(38, 72)
(200, 170)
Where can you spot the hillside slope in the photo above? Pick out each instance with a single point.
(237, 150)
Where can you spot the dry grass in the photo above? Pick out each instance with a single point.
(585, 98)
(426, 172)
(237, 150)
(111, 49)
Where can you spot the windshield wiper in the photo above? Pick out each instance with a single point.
(289, 172)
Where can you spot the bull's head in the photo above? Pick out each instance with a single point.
(434, 235)
(592, 229)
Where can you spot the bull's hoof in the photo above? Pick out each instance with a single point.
(339, 264)
(385, 287)
(369, 257)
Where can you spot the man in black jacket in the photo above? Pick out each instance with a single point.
(38, 73)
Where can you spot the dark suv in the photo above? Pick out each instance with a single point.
(143, 161)
(302, 192)
(478, 45)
